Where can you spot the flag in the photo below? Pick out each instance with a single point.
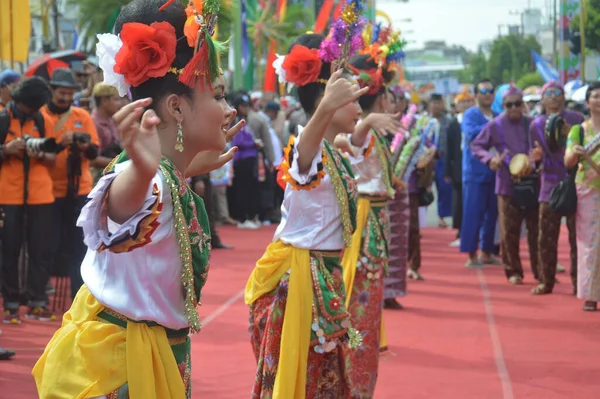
(323, 16)
(245, 41)
(15, 30)
(270, 82)
(544, 68)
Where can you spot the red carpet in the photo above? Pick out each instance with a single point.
(464, 334)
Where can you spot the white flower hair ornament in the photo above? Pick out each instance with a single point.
(106, 49)
(280, 71)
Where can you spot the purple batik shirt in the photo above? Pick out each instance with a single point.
(553, 169)
(502, 134)
(244, 141)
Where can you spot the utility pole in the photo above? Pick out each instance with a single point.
(56, 18)
(554, 34)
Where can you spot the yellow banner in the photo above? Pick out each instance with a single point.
(15, 30)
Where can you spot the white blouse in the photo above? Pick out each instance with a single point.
(311, 219)
(134, 268)
(369, 173)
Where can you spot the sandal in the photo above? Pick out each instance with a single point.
(414, 275)
(515, 280)
(590, 306)
(541, 289)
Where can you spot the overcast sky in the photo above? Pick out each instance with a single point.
(465, 22)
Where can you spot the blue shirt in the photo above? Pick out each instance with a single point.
(472, 169)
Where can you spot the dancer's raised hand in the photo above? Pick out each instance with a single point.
(140, 138)
(340, 92)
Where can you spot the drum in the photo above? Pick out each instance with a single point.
(520, 165)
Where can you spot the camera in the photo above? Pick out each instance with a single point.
(41, 144)
(82, 138)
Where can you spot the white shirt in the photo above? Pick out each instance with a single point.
(368, 171)
(144, 283)
(310, 219)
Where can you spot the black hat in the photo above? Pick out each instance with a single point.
(241, 99)
(272, 106)
(63, 77)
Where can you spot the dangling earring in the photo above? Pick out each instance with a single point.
(179, 141)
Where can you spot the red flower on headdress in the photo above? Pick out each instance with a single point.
(372, 78)
(302, 65)
(148, 51)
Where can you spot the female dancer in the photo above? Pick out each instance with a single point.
(126, 334)
(366, 262)
(582, 146)
(296, 294)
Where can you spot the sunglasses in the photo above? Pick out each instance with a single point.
(487, 91)
(510, 104)
(553, 93)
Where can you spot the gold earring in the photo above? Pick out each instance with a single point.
(179, 141)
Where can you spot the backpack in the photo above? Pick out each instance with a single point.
(38, 120)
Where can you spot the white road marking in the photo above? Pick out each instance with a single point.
(507, 390)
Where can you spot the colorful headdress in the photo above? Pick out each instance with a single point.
(303, 66)
(386, 47)
(465, 95)
(372, 78)
(345, 36)
(142, 52)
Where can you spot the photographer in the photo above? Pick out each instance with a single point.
(26, 198)
(77, 139)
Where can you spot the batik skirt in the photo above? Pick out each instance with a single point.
(395, 281)
(588, 243)
(325, 375)
(366, 302)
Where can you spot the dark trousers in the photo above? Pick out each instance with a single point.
(457, 206)
(69, 246)
(414, 234)
(548, 244)
(37, 231)
(245, 189)
(210, 209)
(511, 220)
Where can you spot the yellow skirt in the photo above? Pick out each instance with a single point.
(351, 254)
(88, 357)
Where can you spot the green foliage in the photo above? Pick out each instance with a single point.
(530, 79)
(98, 18)
(592, 25)
(509, 60)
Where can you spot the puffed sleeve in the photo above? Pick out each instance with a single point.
(290, 171)
(360, 153)
(100, 233)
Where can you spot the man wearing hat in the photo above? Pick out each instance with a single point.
(77, 139)
(8, 80)
(509, 135)
(553, 171)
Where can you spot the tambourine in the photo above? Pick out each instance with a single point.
(556, 131)
(520, 165)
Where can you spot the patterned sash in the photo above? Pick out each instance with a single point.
(345, 187)
(384, 153)
(193, 234)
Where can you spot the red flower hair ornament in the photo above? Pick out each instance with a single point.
(302, 66)
(148, 51)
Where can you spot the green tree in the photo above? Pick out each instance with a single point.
(264, 27)
(530, 79)
(95, 19)
(510, 58)
(592, 25)
(476, 68)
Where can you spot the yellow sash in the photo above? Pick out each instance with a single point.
(350, 259)
(290, 381)
(88, 358)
